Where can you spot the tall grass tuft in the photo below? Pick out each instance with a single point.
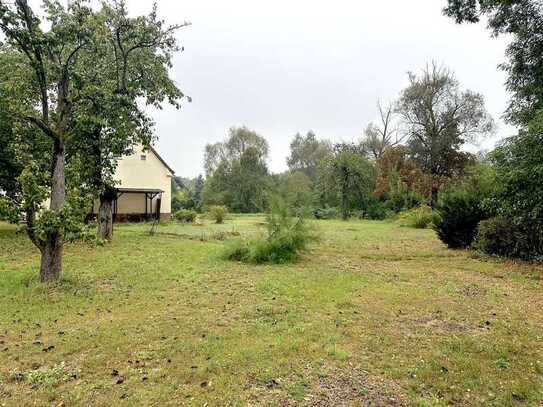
(287, 235)
(421, 217)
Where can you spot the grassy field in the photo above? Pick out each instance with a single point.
(374, 314)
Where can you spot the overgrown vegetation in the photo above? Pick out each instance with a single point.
(185, 215)
(518, 198)
(503, 237)
(287, 236)
(218, 213)
(419, 218)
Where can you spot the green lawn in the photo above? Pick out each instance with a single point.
(374, 314)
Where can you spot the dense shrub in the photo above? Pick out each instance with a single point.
(419, 218)
(287, 237)
(326, 213)
(502, 237)
(374, 210)
(185, 215)
(460, 211)
(218, 213)
(400, 197)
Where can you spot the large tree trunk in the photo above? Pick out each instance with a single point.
(51, 258)
(51, 251)
(105, 213)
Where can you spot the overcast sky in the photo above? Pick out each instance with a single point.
(282, 67)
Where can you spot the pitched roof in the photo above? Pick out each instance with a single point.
(162, 160)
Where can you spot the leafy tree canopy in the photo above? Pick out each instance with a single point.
(306, 152)
(239, 139)
(523, 20)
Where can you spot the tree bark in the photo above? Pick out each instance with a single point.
(52, 249)
(51, 258)
(105, 214)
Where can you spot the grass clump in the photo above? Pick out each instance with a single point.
(326, 213)
(421, 217)
(287, 236)
(185, 216)
(44, 377)
(218, 213)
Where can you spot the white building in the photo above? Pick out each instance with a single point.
(144, 187)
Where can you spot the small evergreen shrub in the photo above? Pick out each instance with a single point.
(502, 237)
(460, 211)
(419, 218)
(218, 213)
(326, 213)
(287, 237)
(185, 215)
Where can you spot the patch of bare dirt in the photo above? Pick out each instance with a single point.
(352, 388)
(436, 323)
(472, 290)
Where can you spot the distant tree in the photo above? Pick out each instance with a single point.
(198, 189)
(377, 137)
(239, 174)
(249, 182)
(178, 183)
(401, 183)
(346, 179)
(217, 188)
(355, 177)
(238, 141)
(299, 190)
(306, 153)
(187, 193)
(440, 118)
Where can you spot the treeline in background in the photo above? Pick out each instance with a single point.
(412, 165)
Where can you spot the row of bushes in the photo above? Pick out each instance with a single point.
(467, 218)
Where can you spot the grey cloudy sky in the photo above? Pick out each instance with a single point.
(282, 67)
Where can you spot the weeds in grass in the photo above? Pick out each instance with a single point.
(422, 217)
(44, 377)
(339, 354)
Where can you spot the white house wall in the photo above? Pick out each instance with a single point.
(151, 173)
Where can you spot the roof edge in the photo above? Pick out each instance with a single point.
(161, 160)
